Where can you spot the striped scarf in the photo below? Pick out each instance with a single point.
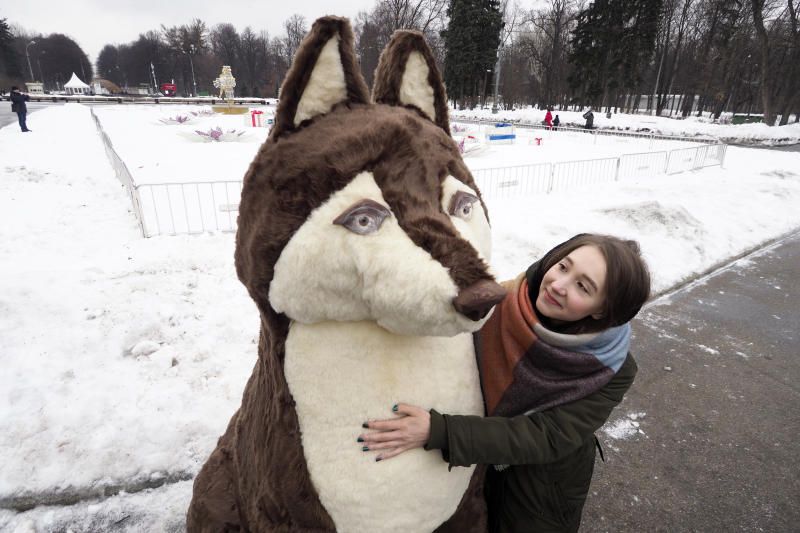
(527, 368)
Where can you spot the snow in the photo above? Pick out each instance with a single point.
(175, 152)
(753, 133)
(125, 357)
(557, 146)
(624, 428)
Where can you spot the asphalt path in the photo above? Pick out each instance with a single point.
(717, 403)
(7, 117)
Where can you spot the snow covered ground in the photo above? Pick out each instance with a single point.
(124, 358)
(756, 133)
(157, 141)
(157, 149)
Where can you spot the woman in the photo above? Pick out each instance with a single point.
(554, 363)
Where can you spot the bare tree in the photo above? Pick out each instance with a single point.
(678, 12)
(790, 89)
(764, 52)
(373, 29)
(296, 29)
(548, 47)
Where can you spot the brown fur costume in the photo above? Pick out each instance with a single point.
(257, 478)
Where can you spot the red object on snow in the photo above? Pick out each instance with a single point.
(168, 89)
(538, 141)
(254, 118)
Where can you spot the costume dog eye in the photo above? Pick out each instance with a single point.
(364, 217)
(461, 205)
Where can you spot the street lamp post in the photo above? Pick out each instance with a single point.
(485, 74)
(28, 57)
(192, 49)
(39, 64)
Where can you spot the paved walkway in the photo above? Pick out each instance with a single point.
(718, 403)
(7, 117)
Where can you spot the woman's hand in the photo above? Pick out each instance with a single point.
(410, 430)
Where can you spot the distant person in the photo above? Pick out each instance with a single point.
(589, 116)
(556, 122)
(18, 106)
(548, 119)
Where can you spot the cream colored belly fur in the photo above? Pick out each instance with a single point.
(344, 373)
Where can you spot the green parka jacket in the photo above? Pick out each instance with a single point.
(550, 456)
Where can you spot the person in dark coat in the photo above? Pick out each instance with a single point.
(554, 363)
(556, 122)
(589, 116)
(18, 106)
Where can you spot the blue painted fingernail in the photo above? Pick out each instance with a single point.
(394, 407)
(365, 425)
(365, 449)
(359, 439)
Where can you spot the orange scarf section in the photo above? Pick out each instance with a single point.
(504, 339)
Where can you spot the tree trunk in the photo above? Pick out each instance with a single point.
(688, 104)
(763, 46)
(673, 67)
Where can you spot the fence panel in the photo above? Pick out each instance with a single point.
(681, 160)
(569, 174)
(715, 154)
(121, 171)
(642, 165)
(173, 208)
(513, 181)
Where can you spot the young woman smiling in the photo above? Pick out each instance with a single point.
(554, 363)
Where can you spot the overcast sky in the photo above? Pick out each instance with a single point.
(95, 23)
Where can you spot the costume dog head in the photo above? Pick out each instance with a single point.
(364, 211)
(364, 242)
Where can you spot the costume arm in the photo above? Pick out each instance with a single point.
(538, 438)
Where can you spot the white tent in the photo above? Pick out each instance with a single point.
(76, 86)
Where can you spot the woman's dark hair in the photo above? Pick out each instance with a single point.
(15, 88)
(627, 281)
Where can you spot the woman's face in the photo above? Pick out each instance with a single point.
(575, 287)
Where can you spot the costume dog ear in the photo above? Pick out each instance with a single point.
(407, 76)
(324, 73)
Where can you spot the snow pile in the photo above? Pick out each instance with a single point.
(754, 133)
(125, 357)
(625, 428)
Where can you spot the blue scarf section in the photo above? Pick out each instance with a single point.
(610, 347)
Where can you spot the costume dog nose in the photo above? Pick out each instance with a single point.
(477, 300)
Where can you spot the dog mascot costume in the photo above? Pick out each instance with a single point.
(365, 244)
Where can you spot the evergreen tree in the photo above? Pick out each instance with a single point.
(471, 41)
(611, 46)
(9, 60)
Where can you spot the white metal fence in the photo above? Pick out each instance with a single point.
(172, 208)
(198, 207)
(122, 172)
(549, 177)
